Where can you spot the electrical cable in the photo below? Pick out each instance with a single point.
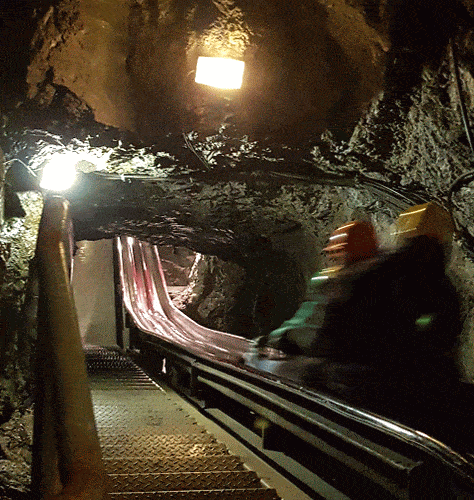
(193, 150)
(457, 78)
(467, 177)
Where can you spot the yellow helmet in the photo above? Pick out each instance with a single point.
(428, 219)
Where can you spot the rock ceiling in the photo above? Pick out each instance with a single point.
(336, 94)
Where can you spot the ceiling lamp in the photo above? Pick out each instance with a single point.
(219, 72)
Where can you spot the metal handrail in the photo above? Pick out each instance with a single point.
(67, 460)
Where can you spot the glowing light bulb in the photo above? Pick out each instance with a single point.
(59, 173)
(220, 72)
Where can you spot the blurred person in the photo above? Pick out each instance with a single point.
(425, 315)
(402, 322)
(351, 249)
(377, 326)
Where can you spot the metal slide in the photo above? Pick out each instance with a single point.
(147, 300)
(364, 453)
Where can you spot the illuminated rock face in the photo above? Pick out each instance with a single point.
(348, 109)
(313, 68)
(309, 66)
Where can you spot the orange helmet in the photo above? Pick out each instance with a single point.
(353, 241)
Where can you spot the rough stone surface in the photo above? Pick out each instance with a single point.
(358, 117)
(18, 320)
(15, 462)
(349, 109)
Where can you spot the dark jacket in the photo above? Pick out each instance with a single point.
(398, 311)
(402, 312)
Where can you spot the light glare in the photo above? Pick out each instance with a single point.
(59, 173)
(220, 72)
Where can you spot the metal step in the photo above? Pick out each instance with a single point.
(167, 465)
(153, 449)
(228, 494)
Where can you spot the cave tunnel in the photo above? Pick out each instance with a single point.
(347, 109)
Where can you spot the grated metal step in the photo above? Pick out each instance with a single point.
(247, 494)
(184, 481)
(152, 448)
(166, 465)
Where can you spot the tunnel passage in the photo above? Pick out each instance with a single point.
(71, 81)
(246, 300)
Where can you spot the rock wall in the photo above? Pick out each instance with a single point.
(354, 111)
(18, 302)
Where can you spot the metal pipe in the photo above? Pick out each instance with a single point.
(67, 460)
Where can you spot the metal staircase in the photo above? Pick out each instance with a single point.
(152, 448)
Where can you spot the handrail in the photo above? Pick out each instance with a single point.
(67, 460)
(310, 401)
